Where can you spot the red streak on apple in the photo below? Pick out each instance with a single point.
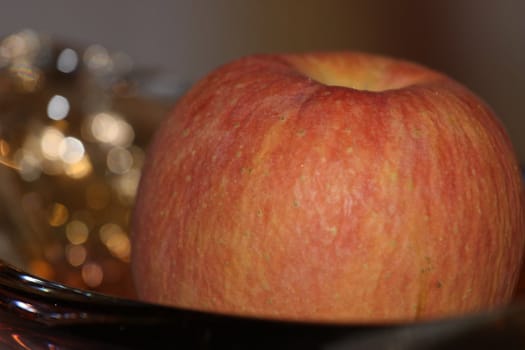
(338, 187)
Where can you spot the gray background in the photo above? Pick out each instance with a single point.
(479, 42)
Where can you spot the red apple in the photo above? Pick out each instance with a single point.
(340, 187)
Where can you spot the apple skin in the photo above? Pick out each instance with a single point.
(337, 187)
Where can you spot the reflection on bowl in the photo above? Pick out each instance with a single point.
(75, 121)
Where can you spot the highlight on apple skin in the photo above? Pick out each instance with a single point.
(329, 186)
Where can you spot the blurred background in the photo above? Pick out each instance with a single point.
(479, 42)
(83, 85)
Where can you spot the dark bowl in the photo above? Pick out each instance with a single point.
(40, 314)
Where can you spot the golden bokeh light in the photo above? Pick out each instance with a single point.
(79, 169)
(116, 240)
(119, 160)
(58, 215)
(109, 230)
(50, 142)
(127, 185)
(72, 151)
(77, 232)
(119, 245)
(92, 274)
(110, 128)
(76, 254)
